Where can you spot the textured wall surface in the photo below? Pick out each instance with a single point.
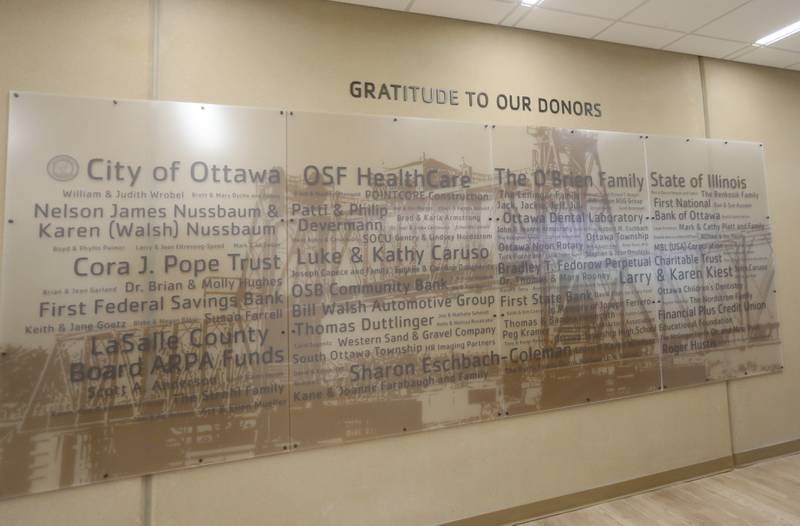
(302, 54)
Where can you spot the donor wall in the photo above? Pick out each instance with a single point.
(185, 284)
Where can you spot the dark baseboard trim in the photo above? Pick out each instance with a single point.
(555, 505)
(755, 455)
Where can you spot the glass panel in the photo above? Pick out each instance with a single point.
(177, 291)
(752, 346)
(393, 311)
(713, 260)
(747, 237)
(575, 271)
(143, 300)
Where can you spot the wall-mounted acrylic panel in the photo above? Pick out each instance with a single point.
(713, 257)
(143, 294)
(575, 272)
(185, 284)
(392, 267)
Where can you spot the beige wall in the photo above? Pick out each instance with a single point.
(763, 104)
(301, 54)
(80, 47)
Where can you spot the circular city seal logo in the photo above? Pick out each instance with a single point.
(63, 168)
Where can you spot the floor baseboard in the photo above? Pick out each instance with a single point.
(581, 499)
(756, 455)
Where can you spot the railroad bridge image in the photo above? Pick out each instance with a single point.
(186, 396)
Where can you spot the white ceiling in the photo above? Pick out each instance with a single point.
(711, 28)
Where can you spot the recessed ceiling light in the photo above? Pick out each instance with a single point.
(779, 35)
(530, 3)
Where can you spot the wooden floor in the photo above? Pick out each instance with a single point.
(765, 494)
